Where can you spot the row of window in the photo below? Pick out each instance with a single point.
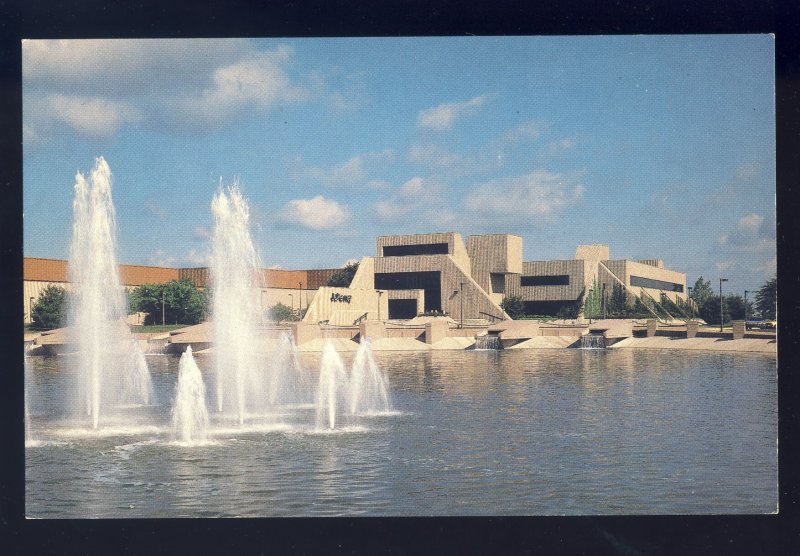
(656, 284)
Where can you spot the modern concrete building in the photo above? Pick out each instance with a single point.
(436, 273)
(428, 274)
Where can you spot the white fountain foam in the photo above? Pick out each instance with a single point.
(109, 368)
(290, 380)
(189, 412)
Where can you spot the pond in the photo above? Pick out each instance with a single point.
(516, 432)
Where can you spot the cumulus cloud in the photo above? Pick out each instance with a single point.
(353, 172)
(532, 199)
(97, 86)
(749, 235)
(197, 258)
(317, 213)
(408, 197)
(161, 258)
(443, 116)
(769, 267)
(433, 156)
(91, 116)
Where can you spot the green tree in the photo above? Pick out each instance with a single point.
(50, 308)
(734, 306)
(701, 291)
(618, 302)
(281, 313)
(183, 303)
(343, 277)
(767, 299)
(514, 306)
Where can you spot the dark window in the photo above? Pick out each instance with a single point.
(498, 282)
(656, 284)
(402, 308)
(419, 249)
(546, 308)
(559, 280)
(429, 281)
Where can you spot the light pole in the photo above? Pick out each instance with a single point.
(721, 303)
(163, 312)
(300, 298)
(380, 292)
(461, 295)
(690, 300)
(30, 309)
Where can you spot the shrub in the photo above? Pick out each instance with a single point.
(49, 310)
(343, 277)
(514, 306)
(281, 313)
(183, 303)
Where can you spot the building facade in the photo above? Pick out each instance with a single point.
(429, 274)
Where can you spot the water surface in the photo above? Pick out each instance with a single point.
(521, 432)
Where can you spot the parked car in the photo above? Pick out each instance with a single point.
(771, 324)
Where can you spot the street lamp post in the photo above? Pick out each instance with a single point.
(163, 313)
(461, 295)
(30, 309)
(690, 301)
(380, 292)
(300, 298)
(721, 303)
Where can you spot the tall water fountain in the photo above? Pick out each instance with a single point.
(236, 283)
(111, 367)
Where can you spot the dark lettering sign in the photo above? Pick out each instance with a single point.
(340, 298)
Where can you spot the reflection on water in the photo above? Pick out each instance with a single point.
(508, 432)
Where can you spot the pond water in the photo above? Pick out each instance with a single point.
(519, 432)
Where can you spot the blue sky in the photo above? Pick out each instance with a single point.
(660, 146)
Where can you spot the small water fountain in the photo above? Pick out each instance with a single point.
(368, 388)
(111, 367)
(333, 386)
(289, 380)
(488, 341)
(189, 412)
(593, 341)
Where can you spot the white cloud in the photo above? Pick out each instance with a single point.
(748, 236)
(561, 145)
(275, 267)
(408, 197)
(259, 80)
(443, 116)
(92, 116)
(98, 86)
(317, 213)
(751, 222)
(532, 199)
(433, 155)
(197, 258)
(161, 258)
(354, 172)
